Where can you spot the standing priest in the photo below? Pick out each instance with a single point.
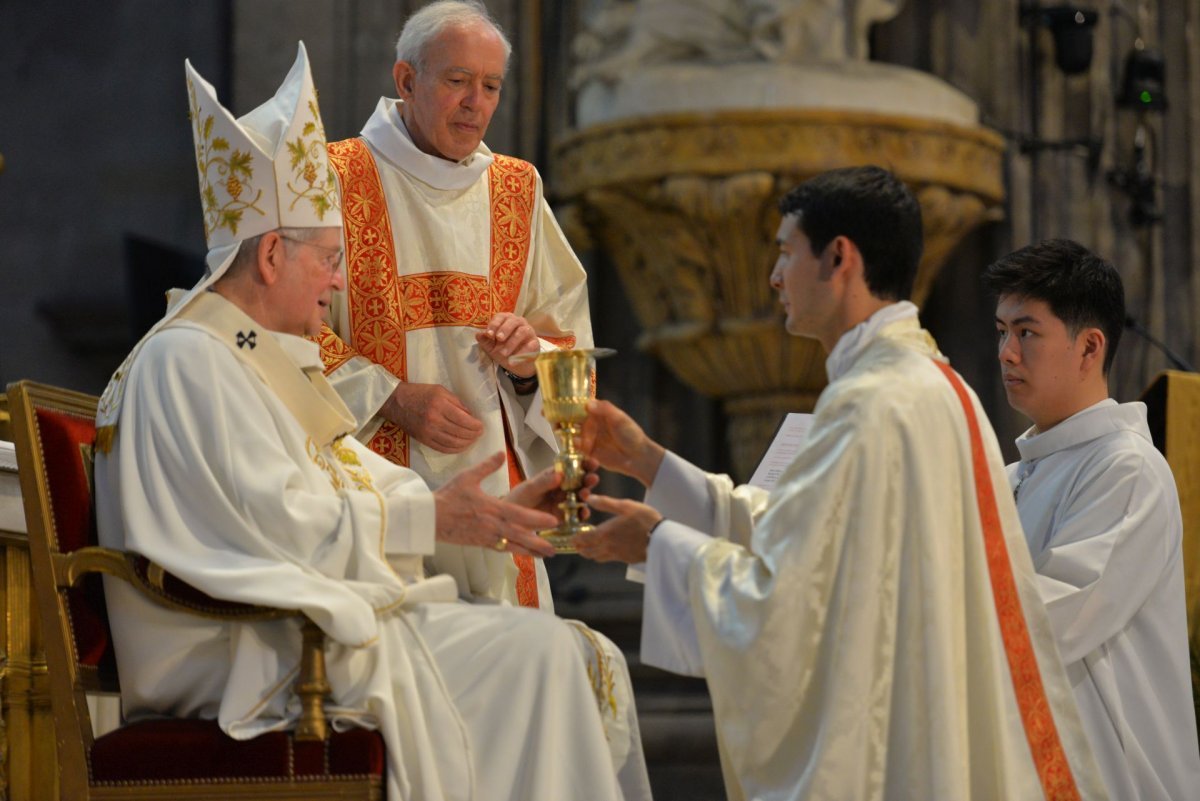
(870, 629)
(454, 265)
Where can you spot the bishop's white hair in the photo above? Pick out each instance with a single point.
(248, 250)
(427, 24)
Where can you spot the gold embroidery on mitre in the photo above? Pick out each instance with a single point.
(310, 167)
(234, 174)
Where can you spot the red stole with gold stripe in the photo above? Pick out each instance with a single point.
(1049, 757)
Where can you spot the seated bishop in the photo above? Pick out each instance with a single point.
(222, 456)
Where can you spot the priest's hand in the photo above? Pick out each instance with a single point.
(612, 437)
(433, 416)
(466, 515)
(508, 335)
(624, 537)
(543, 492)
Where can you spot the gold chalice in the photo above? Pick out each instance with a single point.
(565, 379)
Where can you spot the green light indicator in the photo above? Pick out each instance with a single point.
(1145, 96)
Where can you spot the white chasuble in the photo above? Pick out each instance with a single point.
(212, 476)
(870, 629)
(434, 250)
(1101, 514)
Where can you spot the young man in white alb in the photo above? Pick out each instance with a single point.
(1101, 515)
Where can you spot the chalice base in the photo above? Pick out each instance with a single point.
(562, 537)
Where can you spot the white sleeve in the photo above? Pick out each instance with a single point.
(680, 491)
(411, 509)
(668, 629)
(1113, 541)
(364, 387)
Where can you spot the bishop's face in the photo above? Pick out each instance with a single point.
(802, 279)
(448, 104)
(311, 274)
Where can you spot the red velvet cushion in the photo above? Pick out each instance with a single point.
(62, 436)
(175, 749)
(66, 442)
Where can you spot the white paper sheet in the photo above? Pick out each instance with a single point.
(787, 443)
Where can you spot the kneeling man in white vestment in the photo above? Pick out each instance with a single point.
(871, 628)
(1101, 515)
(222, 456)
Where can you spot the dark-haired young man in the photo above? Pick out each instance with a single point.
(1101, 515)
(871, 628)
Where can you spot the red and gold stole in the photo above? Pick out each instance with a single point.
(384, 305)
(1048, 754)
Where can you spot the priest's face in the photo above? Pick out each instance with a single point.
(802, 279)
(1041, 362)
(312, 271)
(449, 103)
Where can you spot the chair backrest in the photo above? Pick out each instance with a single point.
(54, 431)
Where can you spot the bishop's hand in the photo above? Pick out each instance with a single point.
(543, 490)
(466, 515)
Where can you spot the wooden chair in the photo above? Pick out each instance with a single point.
(54, 430)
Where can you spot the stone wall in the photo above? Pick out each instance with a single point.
(98, 156)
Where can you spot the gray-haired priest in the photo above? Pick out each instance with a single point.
(222, 457)
(455, 265)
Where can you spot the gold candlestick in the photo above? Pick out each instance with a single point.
(565, 379)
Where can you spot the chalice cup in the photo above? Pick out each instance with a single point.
(565, 378)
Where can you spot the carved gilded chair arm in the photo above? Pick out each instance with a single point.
(157, 584)
(166, 590)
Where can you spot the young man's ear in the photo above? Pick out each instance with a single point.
(1094, 345)
(833, 256)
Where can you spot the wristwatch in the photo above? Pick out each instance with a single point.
(520, 382)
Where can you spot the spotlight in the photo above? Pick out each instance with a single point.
(1071, 28)
(1144, 81)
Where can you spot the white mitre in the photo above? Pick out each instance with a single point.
(266, 170)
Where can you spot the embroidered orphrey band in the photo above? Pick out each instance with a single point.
(383, 305)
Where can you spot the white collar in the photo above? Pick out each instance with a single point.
(855, 341)
(1095, 421)
(304, 352)
(389, 137)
